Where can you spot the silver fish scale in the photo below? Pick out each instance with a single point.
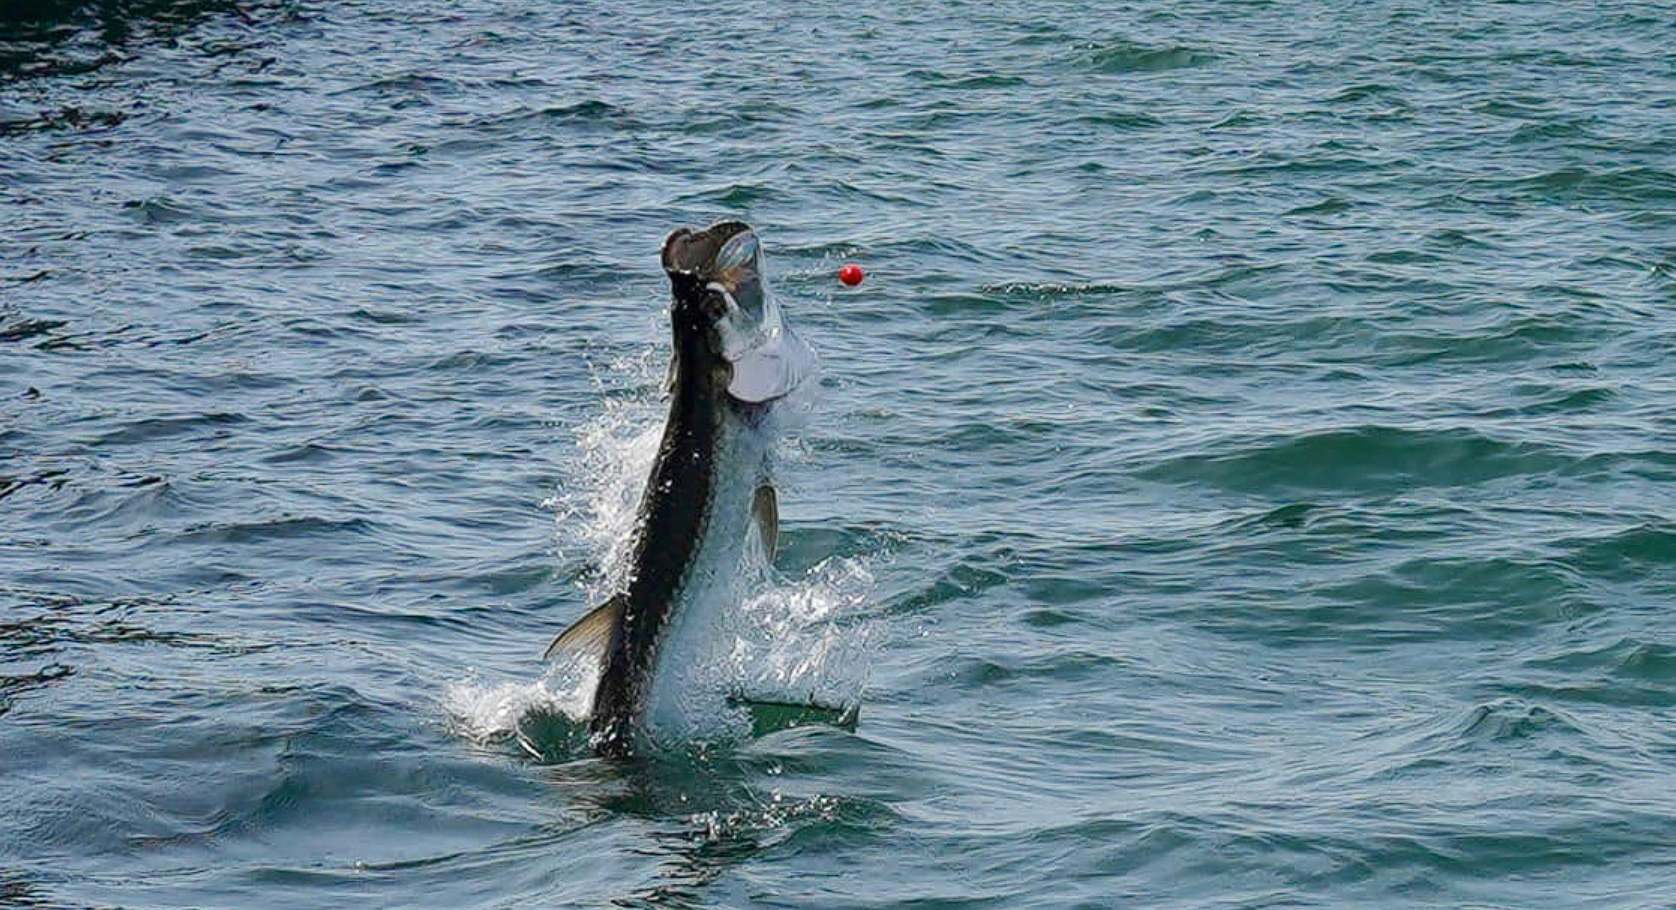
(688, 682)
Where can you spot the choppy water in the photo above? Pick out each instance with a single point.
(1248, 466)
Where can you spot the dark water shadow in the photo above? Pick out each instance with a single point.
(66, 37)
(20, 892)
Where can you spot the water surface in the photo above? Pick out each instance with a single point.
(1248, 465)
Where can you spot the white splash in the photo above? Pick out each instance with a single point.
(786, 640)
(486, 713)
(792, 643)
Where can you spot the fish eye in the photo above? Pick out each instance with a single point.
(718, 302)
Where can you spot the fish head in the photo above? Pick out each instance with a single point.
(724, 313)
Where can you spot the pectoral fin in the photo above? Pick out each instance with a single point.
(765, 507)
(772, 716)
(591, 634)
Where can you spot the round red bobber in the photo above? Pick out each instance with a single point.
(851, 274)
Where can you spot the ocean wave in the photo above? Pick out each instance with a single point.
(1364, 458)
(1121, 56)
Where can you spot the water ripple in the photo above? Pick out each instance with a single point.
(1244, 472)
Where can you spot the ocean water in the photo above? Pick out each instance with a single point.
(1247, 477)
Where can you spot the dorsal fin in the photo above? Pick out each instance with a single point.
(765, 507)
(592, 633)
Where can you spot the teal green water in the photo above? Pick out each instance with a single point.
(1244, 480)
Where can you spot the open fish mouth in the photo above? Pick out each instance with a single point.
(767, 358)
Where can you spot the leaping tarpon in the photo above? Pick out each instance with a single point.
(709, 492)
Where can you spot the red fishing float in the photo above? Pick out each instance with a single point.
(851, 274)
